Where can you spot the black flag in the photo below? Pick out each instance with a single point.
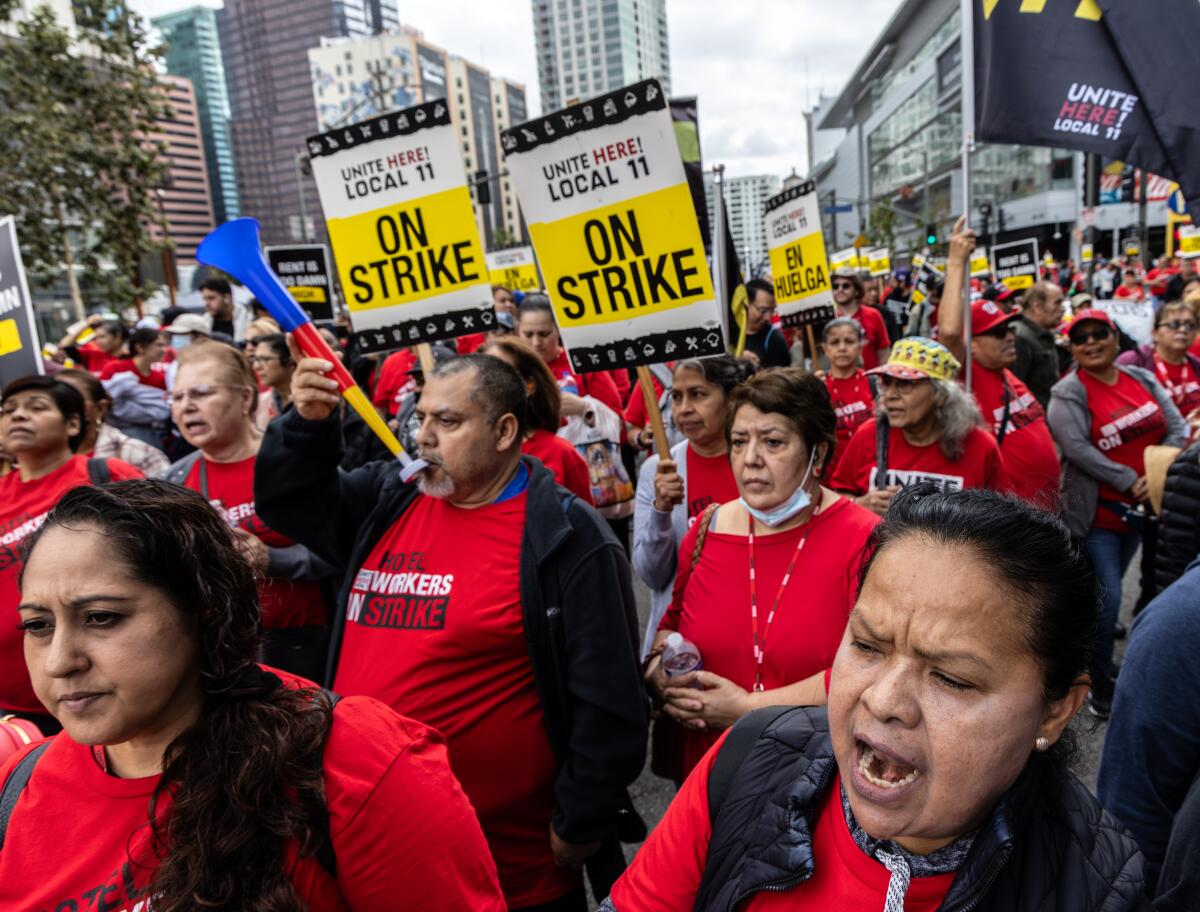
(1112, 77)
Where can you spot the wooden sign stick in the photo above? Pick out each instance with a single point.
(646, 382)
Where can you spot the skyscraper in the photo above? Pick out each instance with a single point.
(194, 52)
(184, 199)
(354, 80)
(587, 47)
(744, 199)
(271, 100)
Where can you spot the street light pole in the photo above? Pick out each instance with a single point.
(300, 190)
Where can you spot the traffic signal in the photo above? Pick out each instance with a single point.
(483, 190)
(931, 236)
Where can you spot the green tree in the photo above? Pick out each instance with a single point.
(881, 226)
(77, 167)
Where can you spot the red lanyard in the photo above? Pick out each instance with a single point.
(1184, 376)
(760, 644)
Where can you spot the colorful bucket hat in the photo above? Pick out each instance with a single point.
(918, 358)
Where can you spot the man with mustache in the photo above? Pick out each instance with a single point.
(482, 600)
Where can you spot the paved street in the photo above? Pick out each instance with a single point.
(652, 794)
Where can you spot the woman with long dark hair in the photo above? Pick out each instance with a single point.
(189, 777)
(938, 778)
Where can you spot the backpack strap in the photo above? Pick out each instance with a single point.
(15, 784)
(324, 855)
(738, 744)
(98, 471)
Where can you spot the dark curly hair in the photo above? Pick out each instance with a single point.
(243, 781)
(798, 396)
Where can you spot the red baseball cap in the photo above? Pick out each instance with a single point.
(987, 315)
(1091, 313)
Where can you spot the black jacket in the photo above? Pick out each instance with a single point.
(579, 611)
(1047, 846)
(1179, 529)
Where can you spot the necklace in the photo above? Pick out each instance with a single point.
(760, 643)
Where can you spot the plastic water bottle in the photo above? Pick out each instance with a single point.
(680, 656)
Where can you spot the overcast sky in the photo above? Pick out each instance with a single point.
(755, 65)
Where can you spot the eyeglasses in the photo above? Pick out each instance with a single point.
(1096, 335)
(1177, 325)
(765, 311)
(201, 392)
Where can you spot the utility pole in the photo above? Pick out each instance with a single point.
(1143, 233)
(298, 159)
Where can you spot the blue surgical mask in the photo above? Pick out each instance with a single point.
(179, 341)
(790, 508)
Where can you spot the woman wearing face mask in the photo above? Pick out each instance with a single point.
(213, 403)
(543, 416)
(189, 773)
(851, 391)
(42, 422)
(764, 594)
(1103, 416)
(273, 365)
(938, 777)
(925, 429)
(1168, 357)
(672, 493)
(100, 439)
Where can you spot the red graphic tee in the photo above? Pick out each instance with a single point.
(709, 480)
(666, 872)
(563, 460)
(23, 508)
(390, 837)
(1125, 420)
(156, 378)
(284, 602)
(853, 405)
(875, 331)
(1027, 449)
(980, 465)
(711, 607)
(93, 359)
(438, 634)
(394, 382)
(1181, 382)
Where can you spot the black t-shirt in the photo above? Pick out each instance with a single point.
(223, 326)
(770, 346)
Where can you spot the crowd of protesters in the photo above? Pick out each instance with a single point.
(275, 675)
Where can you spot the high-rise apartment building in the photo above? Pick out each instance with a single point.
(744, 200)
(184, 199)
(194, 51)
(588, 47)
(353, 80)
(271, 100)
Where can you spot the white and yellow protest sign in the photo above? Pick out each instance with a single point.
(1132, 247)
(1087, 252)
(926, 278)
(844, 259)
(604, 194)
(797, 251)
(980, 265)
(1047, 258)
(879, 261)
(514, 268)
(1189, 242)
(403, 228)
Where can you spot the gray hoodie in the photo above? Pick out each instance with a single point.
(1084, 465)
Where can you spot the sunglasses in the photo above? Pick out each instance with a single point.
(1096, 335)
(1000, 332)
(1177, 325)
(842, 286)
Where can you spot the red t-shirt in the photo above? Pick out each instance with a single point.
(93, 359)
(23, 508)
(284, 602)
(875, 330)
(394, 381)
(1181, 382)
(709, 480)
(1125, 420)
(711, 605)
(1137, 293)
(156, 378)
(438, 633)
(635, 407)
(853, 404)
(666, 872)
(403, 832)
(597, 384)
(563, 460)
(1028, 447)
(980, 465)
(469, 343)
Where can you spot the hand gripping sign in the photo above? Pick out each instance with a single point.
(797, 252)
(612, 220)
(403, 228)
(514, 268)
